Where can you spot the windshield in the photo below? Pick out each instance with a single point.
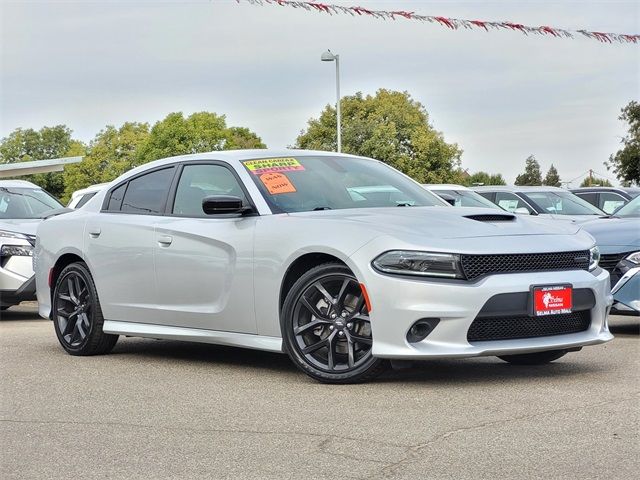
(25, 202)
(304, 184)
(467, 198)
(631, 209)
(562, 203)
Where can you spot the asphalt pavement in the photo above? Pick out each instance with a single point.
(161, 409)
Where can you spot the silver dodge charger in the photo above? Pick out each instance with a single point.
(339, 261)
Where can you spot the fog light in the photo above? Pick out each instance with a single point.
(421, 329)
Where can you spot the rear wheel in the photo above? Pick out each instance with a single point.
(326, 327)
(77, 316)
(537, 358)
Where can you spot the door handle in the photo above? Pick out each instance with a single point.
(94, 232)
(165, 240)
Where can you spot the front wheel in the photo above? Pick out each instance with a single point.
(537, 358)
(77, 316)
(326, 328)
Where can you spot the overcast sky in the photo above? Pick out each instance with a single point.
(501, 96)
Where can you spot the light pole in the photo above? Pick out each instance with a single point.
(330, 57)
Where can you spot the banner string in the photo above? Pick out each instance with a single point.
(451, 23)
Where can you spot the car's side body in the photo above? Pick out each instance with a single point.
(224, 279)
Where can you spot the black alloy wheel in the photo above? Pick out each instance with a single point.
(77, 316)
(326, 326)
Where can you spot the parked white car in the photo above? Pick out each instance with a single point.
(22, 205)
(550, 202)
(460, 196)
(340, 261)
(80, 197)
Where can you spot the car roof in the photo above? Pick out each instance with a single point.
(17, 184)
(516, 188)
(630, 190)
(444, 186)
(236, 156)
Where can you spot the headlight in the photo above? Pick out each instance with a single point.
(594, 258)
(7, 234)
(19, 250)
(634, 258)
(426, 264)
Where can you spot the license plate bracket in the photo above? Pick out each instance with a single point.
(551, 299)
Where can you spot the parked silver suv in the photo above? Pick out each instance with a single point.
(22, 207)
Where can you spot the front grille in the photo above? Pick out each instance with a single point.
(609, 261)
(524, 326)
(491, 218)
(475, 266)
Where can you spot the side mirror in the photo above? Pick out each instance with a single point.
(223, 204)
(521, 211)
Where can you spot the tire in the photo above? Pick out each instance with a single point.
(77, 316)
(537, 358)
(337, 347)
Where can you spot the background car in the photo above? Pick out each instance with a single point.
(80, 197)
(460, 196)
(22, 205)
(618, 238)
(340, 261)
(552, 202)
(607, 199)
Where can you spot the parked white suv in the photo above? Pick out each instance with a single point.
(22, 207)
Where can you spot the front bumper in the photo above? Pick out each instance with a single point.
(398, 302)
(17, 281)
(626, 294)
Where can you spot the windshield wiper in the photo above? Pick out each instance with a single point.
(404, 204)
(321, 208)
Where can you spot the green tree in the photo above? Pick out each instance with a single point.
(625, 163)
(199, 132)
(532, 174)
(484, 178)
(111, 153)
(23, 145)
(389, 126)
(552, 179)
(596, 182)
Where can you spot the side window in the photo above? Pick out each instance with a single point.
(510, 202)
(609, 202)
(590, 197)
(85, 198)
(488, 195)
(199, 181)
(116, 198)
(148, 193)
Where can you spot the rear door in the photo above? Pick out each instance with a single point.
(204, 264)
(119, 242)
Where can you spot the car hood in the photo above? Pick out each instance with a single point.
(27, 226)
(440, 222)
(615, 232)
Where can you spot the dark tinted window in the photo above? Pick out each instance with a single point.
(199, 181)
(85, 198)
(590, 197)
(148, 193)
(116, 198)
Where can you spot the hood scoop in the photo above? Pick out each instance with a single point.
(492, 217)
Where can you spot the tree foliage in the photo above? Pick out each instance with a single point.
(625, 163)
(552, 179)
(596, 182)
(24, 145)
(111, 153)
(532, 174)
(389, 126)
(484, 178)
(197, 133)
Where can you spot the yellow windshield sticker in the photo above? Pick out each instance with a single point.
(277, 183)
(271, 165)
